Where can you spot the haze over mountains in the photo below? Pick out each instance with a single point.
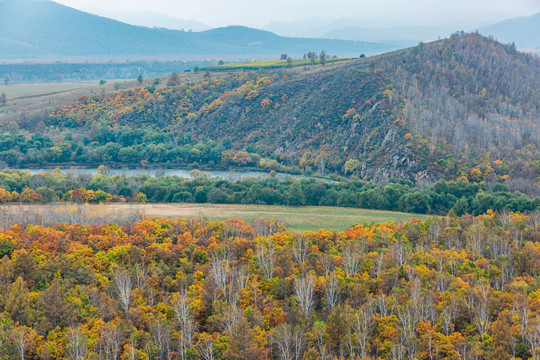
(45, 29)
(41, 29)
(153, 19)
(524, 31)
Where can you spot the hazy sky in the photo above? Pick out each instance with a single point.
(258, 13)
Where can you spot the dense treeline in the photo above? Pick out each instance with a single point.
(397, 195)
(446, 288)
(124, 146)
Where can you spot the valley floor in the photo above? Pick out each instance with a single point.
(297, 219)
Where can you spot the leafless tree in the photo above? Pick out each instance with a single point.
(532, 337)
(332, 291)
(20, 343)
(288, 341)
(482, 319)
(231, 318)
(264, 227)
(206, 348)
(111, 339)
(300, 249)
(384, 305)
(76, 344)
(400, 253)
(304, 288)
(327, 263)
(351, 254)
(363, 327)
(266, 257)
(446, 321)
(435, 229)
(320, 339)
(161, 337)
(122, 282)
(141, 274)
(186, 325)
(407, 328)
(219, 270)
(398, 351)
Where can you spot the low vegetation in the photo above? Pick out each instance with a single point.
(271, 64)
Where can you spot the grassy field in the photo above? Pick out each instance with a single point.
(298, 219)
(37, 89)
(304, 218)
(269, 64)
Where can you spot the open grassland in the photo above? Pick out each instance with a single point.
(302, 218)
(27, 90)
(269, 64)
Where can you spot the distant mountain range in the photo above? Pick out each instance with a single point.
(155, 20)
(45, 29)
(524, 31)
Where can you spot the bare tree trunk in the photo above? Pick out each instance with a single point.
(76, 344)
(122, 282)
(305, 288)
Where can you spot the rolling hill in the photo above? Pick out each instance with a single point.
(44, 29)
(464, 108)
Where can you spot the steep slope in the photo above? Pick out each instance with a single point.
(463, 108)
(524, 31)
(473, 107)
(32, 28)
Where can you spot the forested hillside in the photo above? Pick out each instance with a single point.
(464, 108)
(447, 288)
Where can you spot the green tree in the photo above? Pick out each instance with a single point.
(322, 58)
(295, 196)
(24, 266)
(3, 99)
(174, 80)
(289, 61)
(54, 305)
(18, 301)
(140, 79)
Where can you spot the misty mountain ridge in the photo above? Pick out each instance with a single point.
(524, 31)
(45, 29)
(153, 19)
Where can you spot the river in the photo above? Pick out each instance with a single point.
(231, 175)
